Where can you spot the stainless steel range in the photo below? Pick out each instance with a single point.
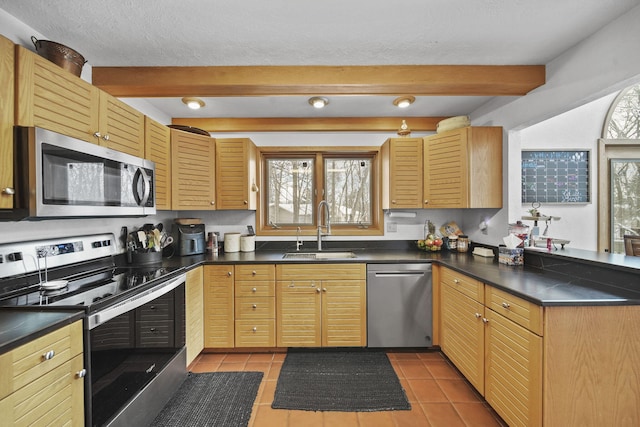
(134, 324)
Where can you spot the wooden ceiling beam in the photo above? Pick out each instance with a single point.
(321, 124)
(435, 80)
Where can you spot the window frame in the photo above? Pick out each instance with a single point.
(376, 228)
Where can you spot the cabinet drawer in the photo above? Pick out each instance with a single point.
(320, 272)
(255, 308)
(255, 289)
(29, 362)
(262, 272)
(524, 313)
(155, 334)
(256, 333)
(465, 284)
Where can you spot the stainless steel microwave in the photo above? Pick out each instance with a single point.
(62, 177)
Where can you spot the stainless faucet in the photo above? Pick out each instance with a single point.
(327, 222)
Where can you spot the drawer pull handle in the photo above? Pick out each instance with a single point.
(255, 306)
(152, 329)
(506, 305)
(254, 290)
(456, 281)
(255, 329)
(478, 315)
(49, 355)
(253, 273)
(81, 373)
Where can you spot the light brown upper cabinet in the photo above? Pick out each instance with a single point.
(54, 99)
(192, 171)
(236, 174)
(7, 64)
(402, 173)
(157, 148)
(463, 168)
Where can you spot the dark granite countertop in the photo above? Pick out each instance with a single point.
(19, 326)
(540, 286)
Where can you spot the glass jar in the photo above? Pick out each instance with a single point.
(452, 243)
(463, 243)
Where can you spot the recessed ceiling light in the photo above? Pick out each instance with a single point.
(404, 101)
(318, 102)
(193, 103)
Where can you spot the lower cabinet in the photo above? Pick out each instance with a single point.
(321, 305)
(43, 380)
(255, 306)
(218, 306)
(483, 334)
(194, 313)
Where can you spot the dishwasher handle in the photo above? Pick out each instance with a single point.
(399, 273)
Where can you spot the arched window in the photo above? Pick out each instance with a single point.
(619, 172)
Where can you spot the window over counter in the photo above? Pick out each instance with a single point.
(295, 181)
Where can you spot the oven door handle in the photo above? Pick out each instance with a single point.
(135, 301)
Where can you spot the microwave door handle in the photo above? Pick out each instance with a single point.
(146, 189)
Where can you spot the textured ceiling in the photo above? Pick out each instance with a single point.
(328, 32)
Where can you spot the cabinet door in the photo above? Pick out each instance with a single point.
(192, 171)
(7, 65)
(194, 313)
(218, 306)
(121, 126)
(53, 398)
(462, 334)
(344, 313)
(513, 382)
(402, 169)
(298, 313)
(157, 148)
(445, 171)
(235, 173)
(54, 99)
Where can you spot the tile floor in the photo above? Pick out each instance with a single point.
(439, 395)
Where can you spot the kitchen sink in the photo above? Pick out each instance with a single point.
(319, 255)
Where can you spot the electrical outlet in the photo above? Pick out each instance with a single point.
(392, 227)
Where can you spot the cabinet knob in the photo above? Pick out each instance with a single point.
(456, 281)
(48, 355)
(318, 290)
(152, 329)
(228, 274)
(254, 290)
(478, 315)
(245, 202)
(324, 289)
(106, 137)
(485, 320)
(426, 202)
(253, 273)
(506, 305)
(213, 202)
(9, 191)
(255, 329)
(97, 134)
(81, 373)
(254, 306)
(393, 201)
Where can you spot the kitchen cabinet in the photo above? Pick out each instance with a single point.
(192, 171)
(255, 310)
(484, 333)
(321, 305)
(157, 148)
(463, 168)
(236, 174)
(52, 98)
(43, 380)
(7, 83)
(219, 321)
(194, 313)
(402, 173)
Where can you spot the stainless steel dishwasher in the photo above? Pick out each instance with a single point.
(399, 305)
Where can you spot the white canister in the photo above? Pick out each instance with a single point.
(247, 243)
(231, 242)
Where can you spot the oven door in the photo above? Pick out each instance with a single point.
(137, 359)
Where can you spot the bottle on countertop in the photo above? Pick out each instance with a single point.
(463, 243)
